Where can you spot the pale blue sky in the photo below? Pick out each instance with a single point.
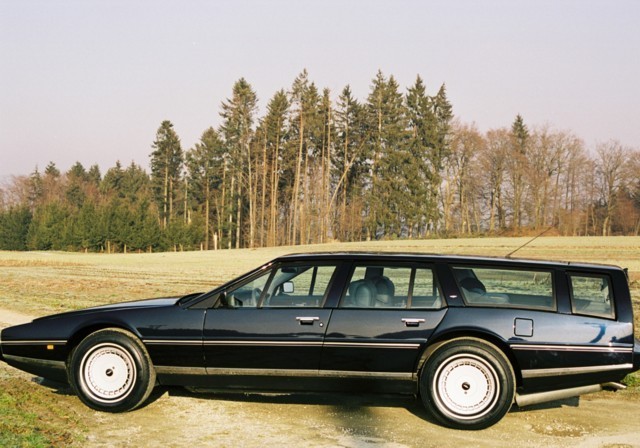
(91, 81)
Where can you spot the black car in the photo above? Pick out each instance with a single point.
(469, 335)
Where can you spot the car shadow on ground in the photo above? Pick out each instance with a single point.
(343, 403)
(347, 400)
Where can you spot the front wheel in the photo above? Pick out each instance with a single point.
(468, 383)
(110, 370)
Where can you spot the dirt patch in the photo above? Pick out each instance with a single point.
(8, 318)
(179, 418)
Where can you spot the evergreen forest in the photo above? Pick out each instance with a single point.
(320, 166)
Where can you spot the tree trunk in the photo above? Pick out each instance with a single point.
(252, 196)
(343, 214)
(238, 214)
(186, 199)
(275, 180)
(165, 198)
(264, 190)
(170, 198)
(230, 229)
(296, 185)
(207, 212)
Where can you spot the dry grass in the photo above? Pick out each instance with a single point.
(36, 416)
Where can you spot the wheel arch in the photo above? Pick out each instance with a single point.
(483, 336)
(83, 332)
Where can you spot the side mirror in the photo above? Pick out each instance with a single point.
(226, 301)
(287, 287)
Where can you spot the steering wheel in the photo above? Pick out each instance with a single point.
(255, 295)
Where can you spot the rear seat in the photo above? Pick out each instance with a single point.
(361, 294)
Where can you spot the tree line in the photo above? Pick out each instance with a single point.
(314, 169)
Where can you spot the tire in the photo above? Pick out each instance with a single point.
(110, 371)
(468, 383)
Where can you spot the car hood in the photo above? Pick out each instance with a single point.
(146, 303)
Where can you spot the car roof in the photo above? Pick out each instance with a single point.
(435, 258)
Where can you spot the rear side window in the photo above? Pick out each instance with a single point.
(392, 286)
(591, 295)
(513, 288)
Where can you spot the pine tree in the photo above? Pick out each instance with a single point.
(14, 225)
(51, 170)
(305, 141)
(238, 114)
(518, 164)
(421, 173)
(275, 139)
(135, 184)
(349, 166)
(112, 181)
(35, 192)
(94, 176)
(440, 141)
(166, 168)
(327, 121)
(205, 165)
(388, 194)
(47, 228)
(87, 227)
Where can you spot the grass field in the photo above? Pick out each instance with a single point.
(40, 283)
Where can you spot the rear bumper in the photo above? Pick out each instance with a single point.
(636, 355)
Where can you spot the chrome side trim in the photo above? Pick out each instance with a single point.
(317, 343)
(304, 373)
(541, 373)
(170, 342)
(571, 348)
(299, 373)
(400, 376)
(268, 343)
(177, 370)
(36, 342)
(36, 362)
(226, 342)
(373, 345)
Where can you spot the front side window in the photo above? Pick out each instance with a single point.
(247, 294)
(518, 288)
(392, 287)
(299, 286)
(287, 285)
(591, 295)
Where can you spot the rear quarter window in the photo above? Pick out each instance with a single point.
(591, 295)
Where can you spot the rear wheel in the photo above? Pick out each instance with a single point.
(110, 370)
(468, 383)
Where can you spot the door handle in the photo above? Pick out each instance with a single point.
(307, 320)
(411, 322)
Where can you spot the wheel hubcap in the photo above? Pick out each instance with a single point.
(108, 372)
(466, 386)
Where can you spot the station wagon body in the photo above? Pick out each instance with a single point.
(469, 335)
